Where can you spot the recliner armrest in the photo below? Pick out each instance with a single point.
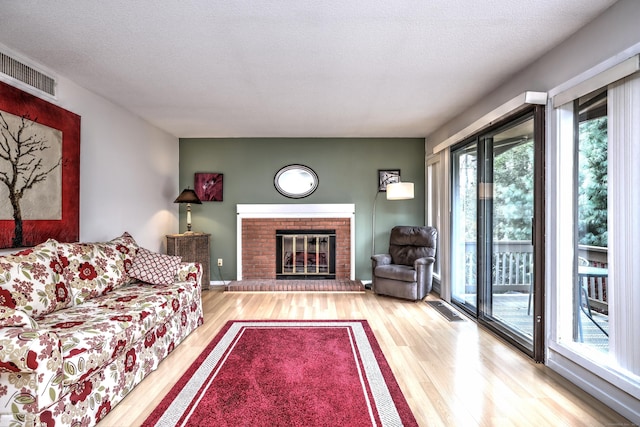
(423, 261)
(381, 259)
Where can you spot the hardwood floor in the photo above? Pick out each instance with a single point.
(452, 373)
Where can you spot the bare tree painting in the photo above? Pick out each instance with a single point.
(30, 169)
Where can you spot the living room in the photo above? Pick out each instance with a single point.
(132, 170)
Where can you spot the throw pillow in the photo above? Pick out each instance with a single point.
(31, 280)
(93, 269)
(128, 248)
(155, 268)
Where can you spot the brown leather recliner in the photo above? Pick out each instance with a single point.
(407, 270)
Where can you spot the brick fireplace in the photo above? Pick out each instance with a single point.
(257, 225)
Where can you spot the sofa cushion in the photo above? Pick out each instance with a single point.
(96, 332)
(140, 297)
(31, 280)
(93, 269)
(154, 268)
(92, 337)
(15, 318)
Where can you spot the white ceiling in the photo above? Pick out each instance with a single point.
(287, 68)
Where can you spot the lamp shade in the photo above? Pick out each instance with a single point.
(400, 191)
(188, 196)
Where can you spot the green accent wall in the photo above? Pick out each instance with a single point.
(347, 170)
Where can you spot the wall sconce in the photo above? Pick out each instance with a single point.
(188, 196)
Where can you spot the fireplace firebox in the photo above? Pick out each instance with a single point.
(305, 254)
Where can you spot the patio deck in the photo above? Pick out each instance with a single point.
(511, 308)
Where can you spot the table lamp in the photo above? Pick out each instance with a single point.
(188, 196)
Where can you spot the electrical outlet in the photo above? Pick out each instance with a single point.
(219, 262)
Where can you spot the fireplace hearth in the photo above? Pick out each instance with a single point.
(305, 254)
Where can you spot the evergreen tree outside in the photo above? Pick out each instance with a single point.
(513, 192)
(592, 182)
(513, 188)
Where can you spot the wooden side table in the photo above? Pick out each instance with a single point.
(192, 247)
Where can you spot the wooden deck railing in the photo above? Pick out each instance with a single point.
(512, 265)
(596, 286)
(513, 269)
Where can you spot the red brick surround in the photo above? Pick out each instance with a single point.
(259, 243)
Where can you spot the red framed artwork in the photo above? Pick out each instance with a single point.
(39, 170)
(208, 186)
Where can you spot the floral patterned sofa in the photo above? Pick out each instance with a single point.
(81, 324)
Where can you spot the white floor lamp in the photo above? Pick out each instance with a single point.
(395, 191)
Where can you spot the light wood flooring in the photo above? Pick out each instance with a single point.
(452, 373)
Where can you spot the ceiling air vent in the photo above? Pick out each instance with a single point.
(26, 74)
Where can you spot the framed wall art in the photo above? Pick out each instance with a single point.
(387, 176)
(208, 186)
(39, 170)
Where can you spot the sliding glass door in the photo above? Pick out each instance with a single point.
(509, 213)
(493, 218)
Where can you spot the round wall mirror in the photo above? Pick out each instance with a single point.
(296, 181)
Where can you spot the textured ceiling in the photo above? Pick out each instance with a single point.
(269, 68)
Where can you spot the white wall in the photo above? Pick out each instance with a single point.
(128, 168)
(607, 35)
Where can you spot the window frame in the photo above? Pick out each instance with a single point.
(618, 367)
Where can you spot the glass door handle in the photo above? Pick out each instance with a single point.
(533, 231)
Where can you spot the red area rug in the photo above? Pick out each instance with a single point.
(287, 373)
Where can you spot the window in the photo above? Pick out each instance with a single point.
(433, 204)
(594, 233)
(591, 294)
(464, 226)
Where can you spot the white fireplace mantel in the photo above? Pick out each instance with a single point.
(324, 210)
